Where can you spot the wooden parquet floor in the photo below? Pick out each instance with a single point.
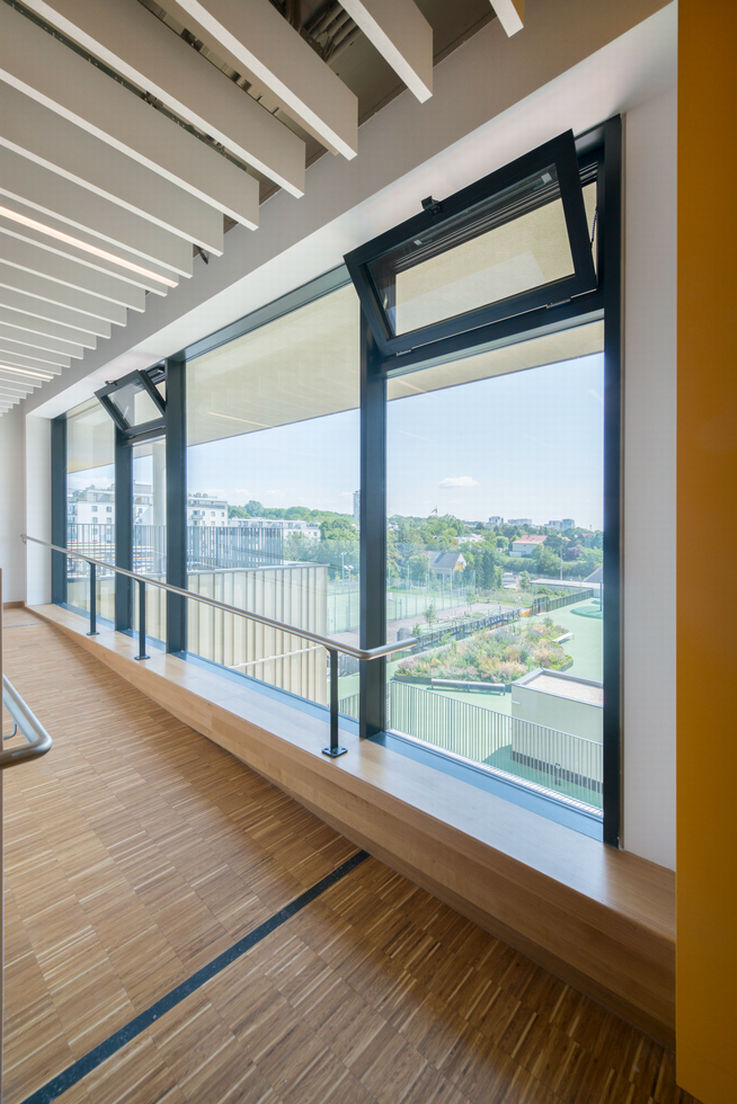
(137, 851)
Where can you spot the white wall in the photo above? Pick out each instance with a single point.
(649, 559)
(38, 508)
(12, 505)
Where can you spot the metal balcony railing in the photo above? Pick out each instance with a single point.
(332, 647)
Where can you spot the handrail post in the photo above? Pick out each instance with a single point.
(93, 601)
(142, 620)
(334, 750)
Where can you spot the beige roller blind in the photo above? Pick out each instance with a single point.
(301, 366)
(551, 349)
(90, 437)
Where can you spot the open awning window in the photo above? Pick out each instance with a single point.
(136, 402)
(516, 240)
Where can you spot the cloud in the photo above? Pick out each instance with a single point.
(458, 481)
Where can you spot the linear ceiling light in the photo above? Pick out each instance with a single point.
(25, 372)
(43, 68)
(33, 224)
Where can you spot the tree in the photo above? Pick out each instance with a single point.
(546, 562)
(555, 543)
(487, 564)
(393, 557)
(417, 567)
(338, 528)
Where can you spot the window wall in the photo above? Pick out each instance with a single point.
(494, 554)
(90, 503)
(482, 465)
(272, 495)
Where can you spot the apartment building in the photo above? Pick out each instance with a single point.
(574, 66)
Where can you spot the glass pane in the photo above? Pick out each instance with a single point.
(272, 506)
(134, 404)
(149, 531)
(494, 553)
(487, 254)
(90, 503)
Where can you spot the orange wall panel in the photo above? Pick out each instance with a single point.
(706, 881)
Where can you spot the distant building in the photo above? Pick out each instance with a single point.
(525, 546)
(204, 509)
(286, 526)
(495, 519)
(519, 521)
(562, 524)
(560, 701)
(444, 564)
(92, 506)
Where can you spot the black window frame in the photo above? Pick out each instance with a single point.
(598, 157)
(145, 381)
(559, 151)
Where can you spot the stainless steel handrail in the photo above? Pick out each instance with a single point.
(328, 642)
(38, 741)
(332, 646)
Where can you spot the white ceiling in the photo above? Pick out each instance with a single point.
(481, 116)
(125, 153)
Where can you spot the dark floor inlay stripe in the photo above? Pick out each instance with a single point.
(99, 1054)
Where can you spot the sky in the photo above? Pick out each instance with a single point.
(528, 444)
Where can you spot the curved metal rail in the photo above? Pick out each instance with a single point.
(332, 646)
(27, 724)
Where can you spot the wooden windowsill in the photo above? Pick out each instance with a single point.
(601, 919)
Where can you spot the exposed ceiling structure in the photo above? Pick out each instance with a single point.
(134, 134)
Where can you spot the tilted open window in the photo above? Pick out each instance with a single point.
(514, 241)
(136, 402)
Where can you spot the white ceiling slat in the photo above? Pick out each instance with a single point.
(37, 344)
(80, 247)
(265, 96)
(265, 44)
(511, 14)
(403, 37)
(52, 312)
(9, 375)
(49, 72)
(24, 255)
(136, 44)
(15, 388)
(51, 366)
(53, 195)
(9, 399)
(42, 136)
(22, 321)
(32, 384)
(50, 291)
(32, 373)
